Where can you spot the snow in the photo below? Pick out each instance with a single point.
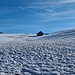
(27, 54)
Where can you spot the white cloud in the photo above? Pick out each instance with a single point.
(68, 12)
(64, 15)
(49, 10)
(53, 9)
(67, 1)
(50, 6)
(50, 16)
(70, 27)
(52, 2)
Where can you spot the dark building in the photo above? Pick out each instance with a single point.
(40, 33)
(1, 32)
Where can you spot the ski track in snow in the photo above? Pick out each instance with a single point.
(26, 56)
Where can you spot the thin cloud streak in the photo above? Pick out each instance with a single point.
(46, 5)
(68, 1)
(21, 7)
(59, 16)
(49, 2)
(56, 16)
(70, 12)
(37, 13)
(57, 19)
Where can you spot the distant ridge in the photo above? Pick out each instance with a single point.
(61, 34)
(28, 37)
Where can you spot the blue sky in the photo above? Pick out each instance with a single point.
(31, 16)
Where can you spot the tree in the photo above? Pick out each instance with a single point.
(40, 33)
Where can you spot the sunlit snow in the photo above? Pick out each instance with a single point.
(24, 54)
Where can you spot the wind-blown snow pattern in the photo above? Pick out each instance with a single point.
(52, 54)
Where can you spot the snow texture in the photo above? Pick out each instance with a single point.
(53, 54)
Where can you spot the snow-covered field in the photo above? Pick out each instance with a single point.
(22, 54)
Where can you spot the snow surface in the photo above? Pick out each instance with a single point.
(25, 54)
